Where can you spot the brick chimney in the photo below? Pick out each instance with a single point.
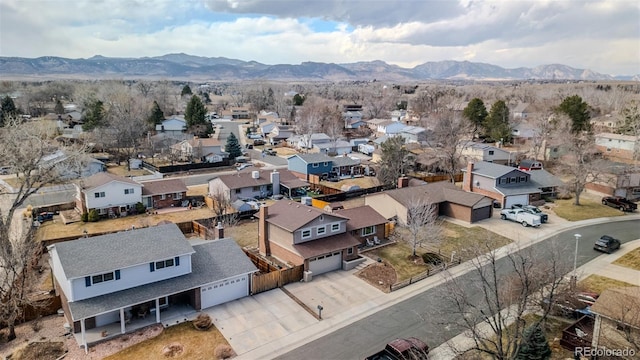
(220, 229)
(466, 180)
(263, 238)
(403, 182)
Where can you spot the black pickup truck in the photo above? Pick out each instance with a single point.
(398, 349)
(619, 203)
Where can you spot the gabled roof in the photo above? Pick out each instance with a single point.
(620, 304)
(291, 216)
(159, 187)
(492, 170)
(361, 217)
(344, 161)
(245, 179)
(413, 129)
(377, 121)
(544, 178)
(481, 146)
(213, 261)
(313, 158)
(206, 142)
(331, 145)
(103, 178)
(438, 192)
(100, 254)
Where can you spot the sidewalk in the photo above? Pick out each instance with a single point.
(380, 301)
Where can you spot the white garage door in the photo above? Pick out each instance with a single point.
(325, 263)
(223, 291)
(516, 199)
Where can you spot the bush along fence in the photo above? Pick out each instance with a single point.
(423, 275)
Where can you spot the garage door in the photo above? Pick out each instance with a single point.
(222, 291)
(325, 263)
(516, 199)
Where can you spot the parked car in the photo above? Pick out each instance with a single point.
(270, 152)
(249, 146)
(45, 216)
(4, 170)
(409, 348)
(258, 142)
(244, 166)
(619, 203)
(521, 216)
(607, 244)
(532, 210)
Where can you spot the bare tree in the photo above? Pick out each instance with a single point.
(309, 119)
(542, 129)
(449, 131)
(24, 147)
(422, 223)
(492, 305)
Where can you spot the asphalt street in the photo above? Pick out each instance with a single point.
(430, 315)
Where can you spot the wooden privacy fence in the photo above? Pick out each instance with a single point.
(271, 276)
(435, 178)
(430, 271)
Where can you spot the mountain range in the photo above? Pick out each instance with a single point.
(182, 66)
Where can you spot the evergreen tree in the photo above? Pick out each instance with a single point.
(94, 115)
(233, 147)
(395, 161)
(578, 111)
(157, 116)
(59, 109)
(476, 113)
(534, 345)
(298, 100)
(195, 112)
(497, 122)
(186, 90)
(8, 109)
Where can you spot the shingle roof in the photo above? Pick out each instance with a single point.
(621, 304)
(313, 158)
(99, 254)
(543, 178)
(159, 187)
(344, 161)
(291, 216)
(206, 142)
(492, 170)
(213, 261)
(438, 192)
(103, 178)
(245, 179)
(361, 217)
(331, 145)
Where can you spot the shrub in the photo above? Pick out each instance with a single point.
(223, 352)
(93, 215)
(202, 322)
(140, 208)
(84, 217)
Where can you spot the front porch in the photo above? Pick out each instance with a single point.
(172, 315)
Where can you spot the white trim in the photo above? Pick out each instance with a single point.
(335, 224)
(371, 233)
(324, 230)
(302, 236)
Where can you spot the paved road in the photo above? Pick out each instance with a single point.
(428, 315)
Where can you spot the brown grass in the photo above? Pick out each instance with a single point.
(196, 190)
(54, 230)
(122, 171)
(363, 182)
(598, 283)
(588, 209)
(197, 344)
(630, 260)
(245, 233)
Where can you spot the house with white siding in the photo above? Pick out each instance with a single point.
(110, 195)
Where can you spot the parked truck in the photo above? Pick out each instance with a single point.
(619, 203)
(521, 216)
(366, 149)
(399, 349)
(532, 210)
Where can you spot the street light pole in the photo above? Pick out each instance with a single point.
(574, 277)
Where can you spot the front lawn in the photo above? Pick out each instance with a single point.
(598, 283)
(630, 260)
(196, 344)
(588, 209)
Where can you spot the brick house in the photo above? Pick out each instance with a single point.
(159, 194)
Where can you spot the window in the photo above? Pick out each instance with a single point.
(335, 227)
(490, 152)
(368, 230)
(315, 165)
(350, 251)
(503, 180)
(178, 196)
(256, 188)
(163, 196)
(306, 233)
(321, 230)
(326, 163)
(128, 191)
(512, 180)
(238, 191)
(96, 279)
(523, 179)
(153, 266)
(99, 194)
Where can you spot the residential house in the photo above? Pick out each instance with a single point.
(68, 169)
(306, 142)
(352, 116)
(173, 125)
(257, 183)
(236, 113)
(448, 199)
(321, 165)
(530, 164)
(338, 147)
(508, 185)
(280, 133)
(373, 123)
(364, 224)
(523, 131)
(110, 195)
(266, 127)
(159, 194)
(399, 115)
(304, 235)
(607, 123)
(414, 134)
(208, 149)
(474, 151)
(617, 145)
(521, 111)
(390, 127)
(144, 276)
(617, 320)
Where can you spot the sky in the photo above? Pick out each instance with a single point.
(603, 36)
